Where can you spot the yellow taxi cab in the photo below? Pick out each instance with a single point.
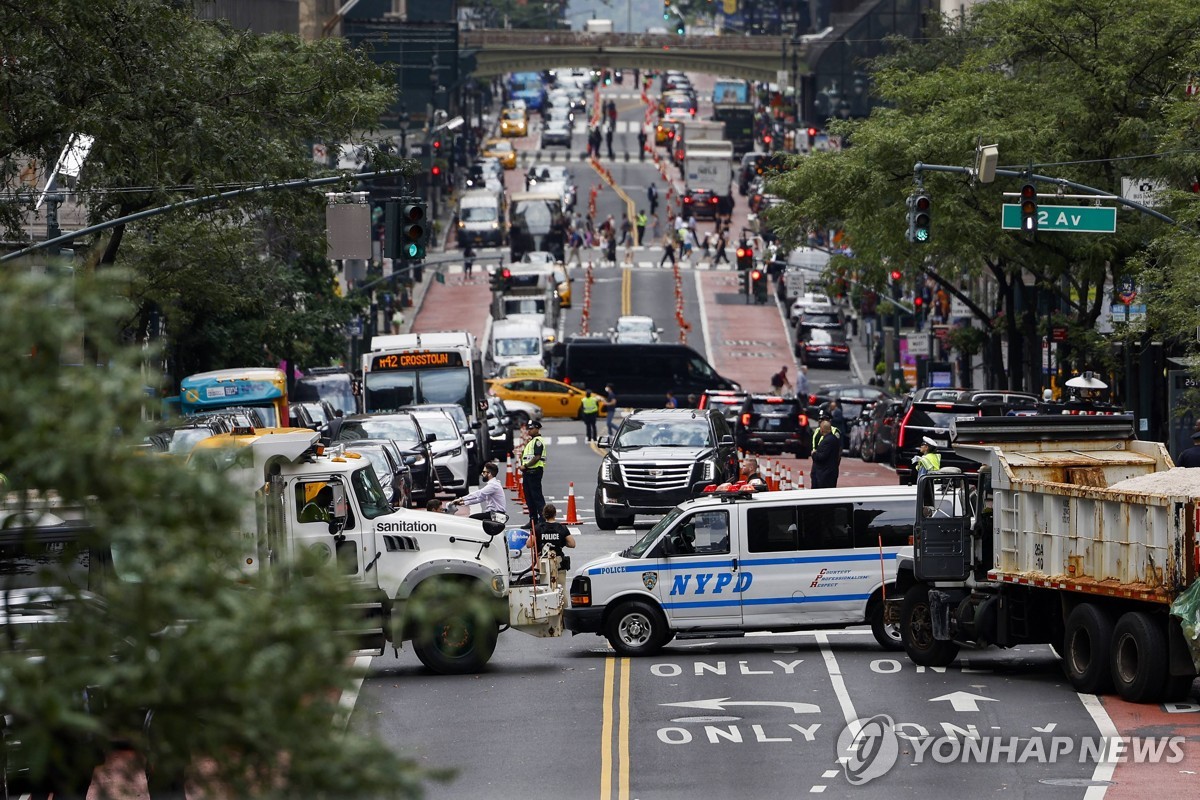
(513, 122)
(664, 132)
(562, 283)
(554, 398)
(503, 150)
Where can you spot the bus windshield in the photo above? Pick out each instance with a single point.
(392, 390)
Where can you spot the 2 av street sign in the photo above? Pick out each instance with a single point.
(1063, 219)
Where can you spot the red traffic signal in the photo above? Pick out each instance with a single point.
(755, 275)
(506, 273)
(918, 301)
(435, 171)
(896, 275)
(437, 144)
(812, 132)
(745, 252)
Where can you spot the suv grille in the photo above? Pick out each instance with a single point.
(657, 477)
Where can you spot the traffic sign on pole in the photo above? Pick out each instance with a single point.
(1063, 219)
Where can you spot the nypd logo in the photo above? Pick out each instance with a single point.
(405, 526)
(650, 580)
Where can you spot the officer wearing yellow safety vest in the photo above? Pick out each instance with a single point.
(928, 459)
(589, 410)
(533, 463)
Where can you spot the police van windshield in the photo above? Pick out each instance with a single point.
(643, 544)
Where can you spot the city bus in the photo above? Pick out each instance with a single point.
(417, 368)
(261, 388)
(528, 86)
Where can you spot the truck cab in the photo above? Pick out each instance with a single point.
(441, 581)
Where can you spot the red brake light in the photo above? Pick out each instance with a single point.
(745, 419)
(903, 427)
(945, 405)
(713, 199)
(803, 420)
(774, 399)
(687, 201)
(812, 399)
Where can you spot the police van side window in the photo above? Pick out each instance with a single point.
(826, 527)
(890, 521)
(706, 532)
(772, 530)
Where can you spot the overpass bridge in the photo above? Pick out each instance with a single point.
(755, 58)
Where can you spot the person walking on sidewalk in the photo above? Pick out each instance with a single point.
(780, 382)
(720, 247)
(669, 249)
(589, 410)
(533, 464)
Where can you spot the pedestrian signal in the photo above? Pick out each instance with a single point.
(1029, 208)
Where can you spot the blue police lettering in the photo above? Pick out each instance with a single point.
(679, 585)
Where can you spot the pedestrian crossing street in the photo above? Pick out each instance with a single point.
(649, 257)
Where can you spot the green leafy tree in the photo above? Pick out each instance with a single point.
(240, 671)
(177, 108)
(1071, 88)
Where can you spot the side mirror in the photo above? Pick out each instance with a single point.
(430, 438)
(726, 441)
(604, 442)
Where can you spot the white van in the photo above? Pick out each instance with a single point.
(481, 218)
(728, 563)
(514, 342)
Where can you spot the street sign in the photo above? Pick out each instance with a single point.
(918, 344)
(1118, 312)
(1064, 219)
(1143, 190)
(1127, 292)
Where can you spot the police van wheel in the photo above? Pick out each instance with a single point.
(916, 631)
(636, 629)
(454, 632)
(887, 635)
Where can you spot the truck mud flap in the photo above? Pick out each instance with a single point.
(367, 637)
(940, 605)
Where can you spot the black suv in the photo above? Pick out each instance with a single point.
(727, 401)
(660, 458)
(930, 418)
(771, 424)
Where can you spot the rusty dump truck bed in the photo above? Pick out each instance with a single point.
(1080, 504)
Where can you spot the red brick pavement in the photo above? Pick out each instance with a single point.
(456, 305)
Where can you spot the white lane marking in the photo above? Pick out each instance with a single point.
(708, 350)
(362, 664)
(566, 439)
(835, 677)
(1103, 772)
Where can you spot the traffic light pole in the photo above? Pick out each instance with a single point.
(921, 167)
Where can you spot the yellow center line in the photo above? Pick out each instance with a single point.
(606, 731)
(626, 291)
(623, 734)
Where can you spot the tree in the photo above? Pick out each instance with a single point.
(178, 107)
(240, 670)
(1069, 87)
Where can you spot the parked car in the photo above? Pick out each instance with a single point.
(556, 133)
(821, 316)
(768, 423)
(449, 450)
(879, 429)
(554, 398)
(727, 401)
(394, 475)
(811, 302)
(456, 413)
(823, 346)
(404, 429)
(658, 459)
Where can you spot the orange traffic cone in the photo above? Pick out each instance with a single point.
(768, 476)
(509, 479)
(520, 491)
(799, 478)
(572, 516)
(787, 479)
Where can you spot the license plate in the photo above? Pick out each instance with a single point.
(773, 424)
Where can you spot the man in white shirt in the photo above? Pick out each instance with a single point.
(491, 495)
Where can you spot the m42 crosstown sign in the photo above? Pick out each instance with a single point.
(1063, 219)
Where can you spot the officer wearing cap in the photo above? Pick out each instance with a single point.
(929, 459)
(1191, 456)
(533, 464)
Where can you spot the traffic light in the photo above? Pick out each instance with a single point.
(1029, 209)
(744, 284)
(758, 281)
(919, 206)
(896, 276)
(680, 27)
(501, 279)
(435, 172)
(745, 256)
(666, 10)
(407, 229)
(812, 137)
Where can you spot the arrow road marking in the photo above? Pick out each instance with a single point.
(963, 701)
(720, 703)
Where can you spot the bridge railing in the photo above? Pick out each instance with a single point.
(489, 37)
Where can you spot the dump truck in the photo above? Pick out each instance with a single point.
(445, 583)
(1073, 533)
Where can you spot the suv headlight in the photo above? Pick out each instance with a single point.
(455, 452)
(608, 470)
(708, 470)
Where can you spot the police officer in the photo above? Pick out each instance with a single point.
(929, 459)
(533, 464)
(1191, 456)
(589, 410)
(826, 455)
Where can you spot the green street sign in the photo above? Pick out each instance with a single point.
(1064, 219)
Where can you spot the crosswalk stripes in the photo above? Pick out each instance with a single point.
(699, 265)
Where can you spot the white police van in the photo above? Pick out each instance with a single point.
(736, 561)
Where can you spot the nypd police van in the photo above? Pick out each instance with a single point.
(735, 561)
